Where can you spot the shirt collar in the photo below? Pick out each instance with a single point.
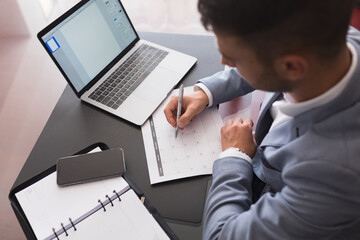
(293, 109)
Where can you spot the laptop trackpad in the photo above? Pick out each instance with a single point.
(157, 85)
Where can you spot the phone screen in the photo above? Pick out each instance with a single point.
(90, 167)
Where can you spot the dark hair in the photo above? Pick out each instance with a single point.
(275, 27)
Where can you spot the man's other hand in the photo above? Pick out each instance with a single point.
(238, 134)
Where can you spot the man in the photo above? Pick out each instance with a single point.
(299, 177)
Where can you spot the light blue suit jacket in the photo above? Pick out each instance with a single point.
(311, 162)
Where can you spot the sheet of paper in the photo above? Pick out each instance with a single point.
(247, 106)
(128, 219)
(192, 153)
(46, 205)
(239, 107)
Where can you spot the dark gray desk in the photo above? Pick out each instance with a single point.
(73, 125)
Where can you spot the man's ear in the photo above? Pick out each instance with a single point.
(292, 67)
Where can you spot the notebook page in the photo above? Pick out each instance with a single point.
(46, 205)
(128, 219)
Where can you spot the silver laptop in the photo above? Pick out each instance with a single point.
(98, 51)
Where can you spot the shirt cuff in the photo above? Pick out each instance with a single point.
(203, 87)
(235, 152)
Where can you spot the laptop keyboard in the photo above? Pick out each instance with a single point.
(128, 76)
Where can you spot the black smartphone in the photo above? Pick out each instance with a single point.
(90, 167)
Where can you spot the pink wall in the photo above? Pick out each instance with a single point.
(12, 23)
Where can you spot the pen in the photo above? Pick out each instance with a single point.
(179, 106)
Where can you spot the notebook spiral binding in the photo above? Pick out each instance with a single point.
(72, 224)
(55, 233)
(101, 205)
(107, 196)
(62, 225)
(117, 195)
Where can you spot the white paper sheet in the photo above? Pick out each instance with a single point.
(192, 153)
(46, 205)
(128, 219)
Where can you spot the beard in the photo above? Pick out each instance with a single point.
(270, 81)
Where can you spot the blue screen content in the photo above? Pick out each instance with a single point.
(88, 40)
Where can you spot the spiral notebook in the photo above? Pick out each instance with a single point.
(108, 209)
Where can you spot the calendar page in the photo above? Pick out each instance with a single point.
(192, 153)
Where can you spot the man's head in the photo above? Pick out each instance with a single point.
(275, 28)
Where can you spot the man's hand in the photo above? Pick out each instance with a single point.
(238, 134)
(193, 103)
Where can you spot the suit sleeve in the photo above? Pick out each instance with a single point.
(226, 85)
(308, 207)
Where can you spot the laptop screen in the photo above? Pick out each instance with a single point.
(85, 42)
